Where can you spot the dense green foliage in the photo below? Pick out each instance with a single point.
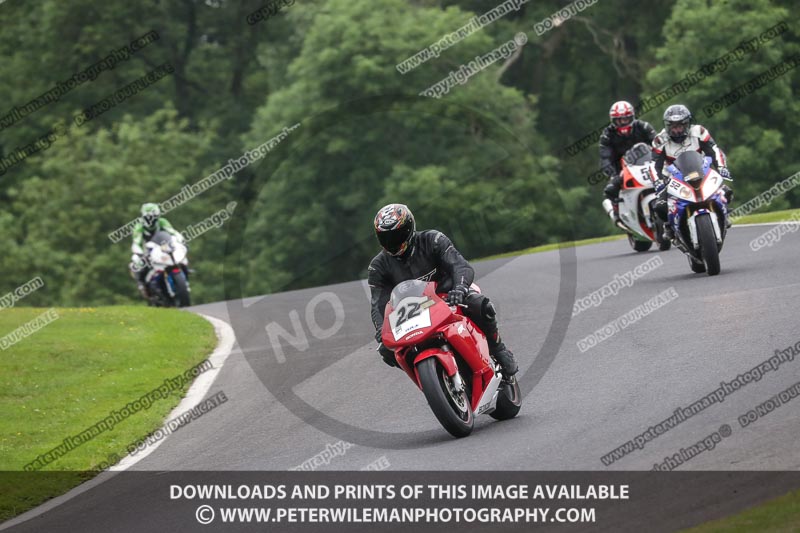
(485, 162)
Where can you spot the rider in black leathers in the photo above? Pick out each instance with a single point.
(429, 256)
(619, 137)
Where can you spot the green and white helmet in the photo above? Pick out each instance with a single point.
(150, 215)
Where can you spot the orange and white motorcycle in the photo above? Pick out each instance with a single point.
(636, 199)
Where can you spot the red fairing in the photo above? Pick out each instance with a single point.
(629, 181)
(471, 343)
(439, 311)
(458, 334)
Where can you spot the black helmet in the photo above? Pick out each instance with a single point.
(394, 227)
(677, 121)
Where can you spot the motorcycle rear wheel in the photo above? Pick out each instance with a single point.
(452, 408)
(509, 400)
(639, 246)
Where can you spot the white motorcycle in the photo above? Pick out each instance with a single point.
(698, 211)
(636, 200)
(167, 258)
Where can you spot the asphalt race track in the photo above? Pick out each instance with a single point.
(324, 383)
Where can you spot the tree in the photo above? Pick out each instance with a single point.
(67, 244)
(366, 138)
(756, 132)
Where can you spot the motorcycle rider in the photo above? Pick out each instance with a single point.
(617, 138)
(428, 256)
(680, 135)
(148, 224)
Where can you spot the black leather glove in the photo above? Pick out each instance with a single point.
(457, 295)
(387, 355)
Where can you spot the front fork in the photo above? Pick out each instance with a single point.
(691, 224)
(446, 358)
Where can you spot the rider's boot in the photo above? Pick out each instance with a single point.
(481, 310)
(498, 349)
(506, 359)
(728, 192)
(660, 211)
(668, 234)
(611, 205)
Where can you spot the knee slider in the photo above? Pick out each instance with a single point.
(474, 303)
(485, 308)
(489, 310)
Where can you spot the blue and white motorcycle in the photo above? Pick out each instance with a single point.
(168, 278)
(697, 211)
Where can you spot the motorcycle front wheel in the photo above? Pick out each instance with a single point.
(451, 406)
(181, 288)
(709, 249)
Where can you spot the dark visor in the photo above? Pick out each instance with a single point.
(393, 240)
(677, 126)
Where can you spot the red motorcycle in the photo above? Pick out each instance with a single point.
(447, 356)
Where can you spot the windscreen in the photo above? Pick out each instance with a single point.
(412, 287)
(688, 163)
(640, 154)
(161, 237)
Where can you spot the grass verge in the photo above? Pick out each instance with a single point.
(774, 216)
(760, 218)
(781, 515)
(71, 374)
(555, 246)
